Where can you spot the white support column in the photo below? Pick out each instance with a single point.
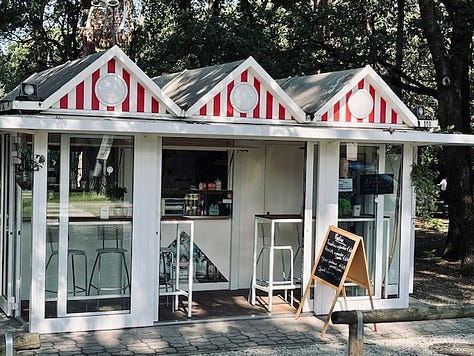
(38, 235)
(63, 226)
(146, 212)
(308, 249)
(326, 214)
(407, 225)
(157, 242)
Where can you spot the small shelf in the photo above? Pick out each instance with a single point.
(192, 202)
(181, 193)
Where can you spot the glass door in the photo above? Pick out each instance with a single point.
(15, 203)
(7, 230)
(89, 225)
(369, 203)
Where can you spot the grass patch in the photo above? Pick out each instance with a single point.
(435, 224)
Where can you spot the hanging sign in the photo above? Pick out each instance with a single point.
(340, 259)
(376, 184)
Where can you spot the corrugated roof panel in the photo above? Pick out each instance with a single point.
(164, 79)
(50, 80)
(313, 91)
(189, 86)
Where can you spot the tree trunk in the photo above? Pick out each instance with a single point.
(399, 46)
(459, 201)
(451, 61)
(88, 46)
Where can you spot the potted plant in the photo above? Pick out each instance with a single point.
(26, 164)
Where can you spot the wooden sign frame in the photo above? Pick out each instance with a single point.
(341, 258)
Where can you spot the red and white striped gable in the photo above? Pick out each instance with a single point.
(83, 95)
(143, 95)
(387, 109)
(272, 102)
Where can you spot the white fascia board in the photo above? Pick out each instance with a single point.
(384, 87)
(149, 83)
(108, 114)
(216, 89)
(335, 98)
(409, 115)
(101, 61)
(300, 115)
(180, 127)
(250, 62)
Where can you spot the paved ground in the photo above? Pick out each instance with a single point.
(275, 336)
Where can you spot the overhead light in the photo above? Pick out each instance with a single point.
(420, 112)
(113, 3)
(96, 3)
(29, 89)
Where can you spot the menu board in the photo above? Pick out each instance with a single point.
(376, 184)
(334, 257)
(341, 258)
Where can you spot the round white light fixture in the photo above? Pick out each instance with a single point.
(244, 97)
(113, 3)
(361, 103)
(111, 90)
(28, 89)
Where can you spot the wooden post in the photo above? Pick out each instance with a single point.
(356, 319)
(405, 314)
(356, 342)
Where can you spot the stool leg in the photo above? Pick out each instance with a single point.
(73, 271)
(126, 272)
(85, 275)
(92, 275)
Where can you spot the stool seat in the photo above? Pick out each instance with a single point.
(111, 250)
(98, 265)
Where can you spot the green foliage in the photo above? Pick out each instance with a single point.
(423, 177)
(435, 224)
(15, 65)
(432, 255)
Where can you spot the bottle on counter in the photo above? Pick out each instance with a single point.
(218, 184)
(203, 206)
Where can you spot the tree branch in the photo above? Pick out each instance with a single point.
(435, 38)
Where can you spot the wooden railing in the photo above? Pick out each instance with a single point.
(356, 319)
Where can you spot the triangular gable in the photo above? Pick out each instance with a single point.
(387, 108)
(143, 95)
(272, 102)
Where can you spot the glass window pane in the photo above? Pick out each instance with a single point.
(95, 179)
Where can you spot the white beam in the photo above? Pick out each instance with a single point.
(234, 130)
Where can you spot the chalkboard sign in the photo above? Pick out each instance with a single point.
(376, 184)
(341, 257)
(335, 254)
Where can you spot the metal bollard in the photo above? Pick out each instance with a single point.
(9, 350)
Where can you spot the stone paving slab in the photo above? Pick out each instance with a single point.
(269, 336)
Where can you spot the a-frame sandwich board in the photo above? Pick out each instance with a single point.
(341, 258)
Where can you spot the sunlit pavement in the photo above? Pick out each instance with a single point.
(261, 336)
